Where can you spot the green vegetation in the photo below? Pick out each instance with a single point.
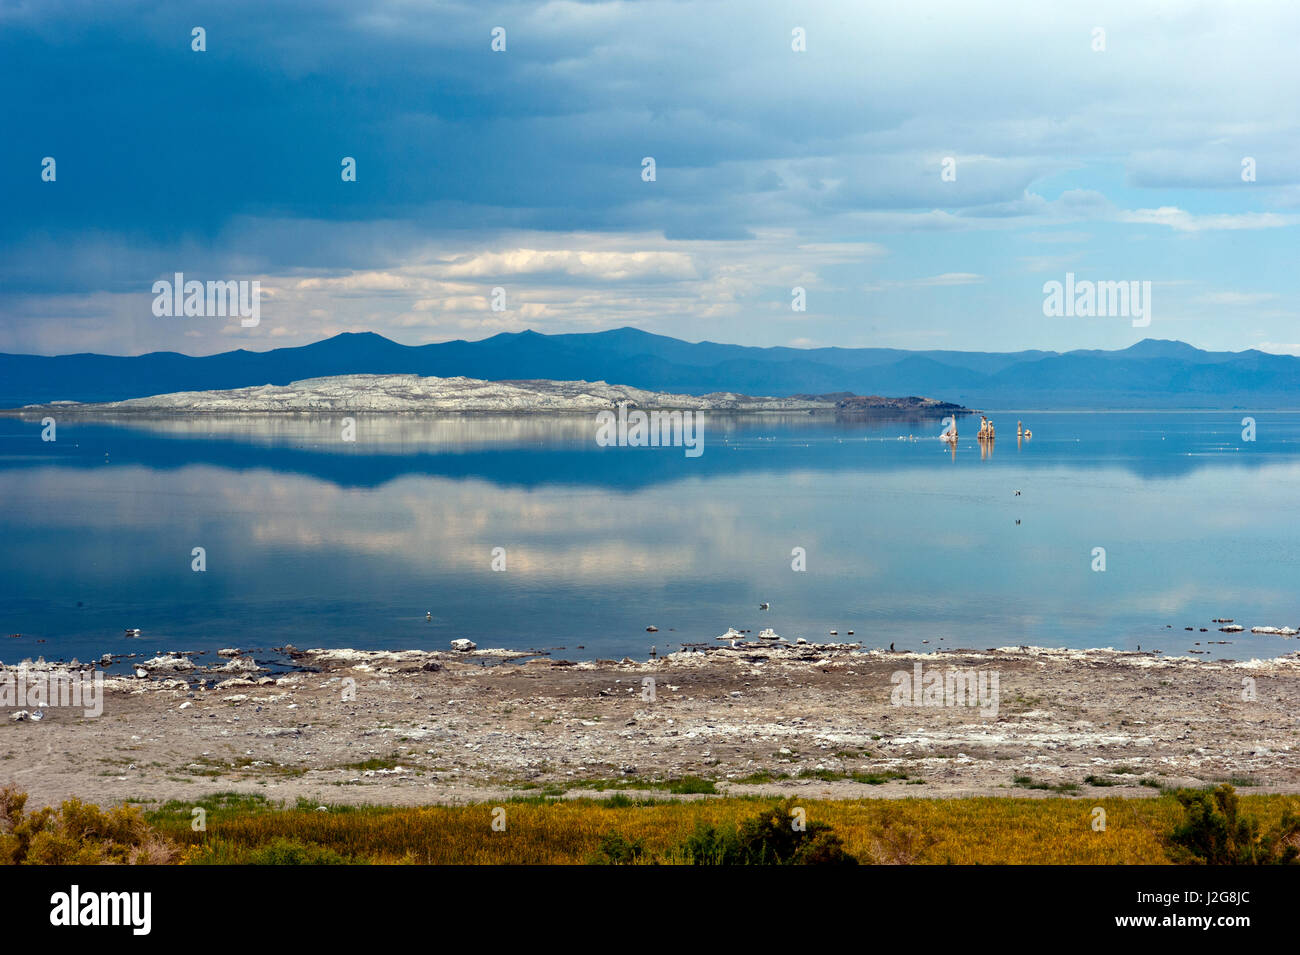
(685, 786)
(1213, 827)
(1026, 782)
(870, 779)
(1214, 832)
(1102, 781)
(760, 777)
(616, 850)
(777, 836)
(378, 762)
(77, 833)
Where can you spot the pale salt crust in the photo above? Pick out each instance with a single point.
(460, 731)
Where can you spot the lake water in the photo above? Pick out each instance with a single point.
(315, 541)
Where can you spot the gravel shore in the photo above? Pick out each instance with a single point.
(415, 727)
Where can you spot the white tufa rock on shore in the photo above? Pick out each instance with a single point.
(463, 645)
(399, 393)
(168, 661)
(237, 665)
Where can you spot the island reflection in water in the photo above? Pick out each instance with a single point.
(315, 541)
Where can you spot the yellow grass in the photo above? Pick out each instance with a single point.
(990, 831)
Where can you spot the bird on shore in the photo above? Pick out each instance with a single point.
(891, 648)
(1017, 493)
(764, 606)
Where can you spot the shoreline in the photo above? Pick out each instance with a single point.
(78, 410)
(410, 393)
(442, 727)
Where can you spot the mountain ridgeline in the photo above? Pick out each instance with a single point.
(1150, 374)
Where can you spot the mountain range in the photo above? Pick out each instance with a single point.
(1150, 374)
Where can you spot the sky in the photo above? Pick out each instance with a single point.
(1108, 140)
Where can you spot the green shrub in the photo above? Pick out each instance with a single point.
(692, 785)
(77, 833)
(1213, 832)
(291, 852)
(614, 849)
(770, 838)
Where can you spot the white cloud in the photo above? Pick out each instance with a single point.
(947, 279)
(603, 265)
(1239, 298)
(827, 252)
(1184, 221)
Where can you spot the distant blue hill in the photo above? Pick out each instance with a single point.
(1150, 374)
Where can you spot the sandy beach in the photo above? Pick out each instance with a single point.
(416, 727)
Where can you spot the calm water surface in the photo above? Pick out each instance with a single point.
(320, 542)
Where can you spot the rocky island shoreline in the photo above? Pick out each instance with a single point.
(400, 394)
